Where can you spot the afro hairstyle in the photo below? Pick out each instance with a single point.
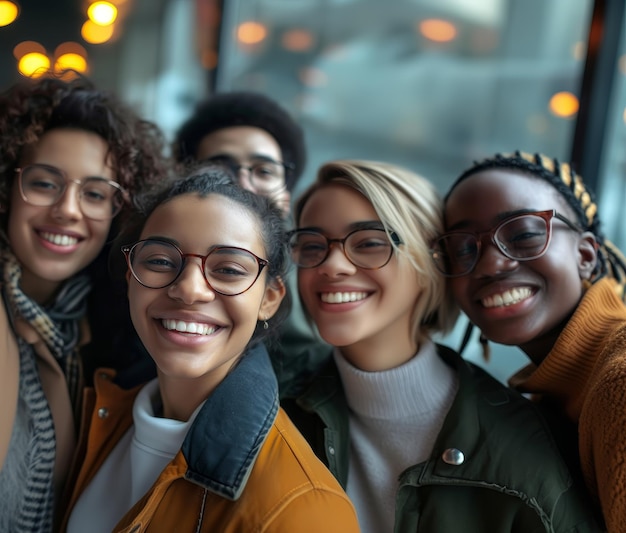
(229, 109)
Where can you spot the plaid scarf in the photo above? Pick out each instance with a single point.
(58, 326)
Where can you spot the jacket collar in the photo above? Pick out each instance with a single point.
(230, 429)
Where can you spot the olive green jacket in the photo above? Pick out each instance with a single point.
(495, 466)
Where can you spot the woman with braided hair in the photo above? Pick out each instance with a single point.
(71, 159)
(529, 266)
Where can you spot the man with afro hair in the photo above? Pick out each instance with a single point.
(251, 134)
(264, 147)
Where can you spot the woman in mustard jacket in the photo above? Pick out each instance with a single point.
(204, 447)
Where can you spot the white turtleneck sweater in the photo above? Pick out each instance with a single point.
(132, 467)
(395, 417)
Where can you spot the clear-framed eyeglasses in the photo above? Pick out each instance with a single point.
(265, 176)
(44, 185)
(228, 270)
(521, 237)
(370, 249)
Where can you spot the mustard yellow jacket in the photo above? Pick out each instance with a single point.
(243, 466)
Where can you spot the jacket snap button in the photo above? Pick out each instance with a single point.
(103, 412)
(452, 456)
(331, 450)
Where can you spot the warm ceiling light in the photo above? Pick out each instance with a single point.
(298, 40)
(251, 32)
(70, 61)
(70, 47)
(33, 64)
(102, 13)
(8, 12)
(26, 47)
(95, 34)
(564, 104)
(437, 30)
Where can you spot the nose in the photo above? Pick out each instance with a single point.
(243, 178)
(492, 262)
(68, 206)
(336, 263)
(191, 286)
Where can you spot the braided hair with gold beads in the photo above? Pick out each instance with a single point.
(611, 261)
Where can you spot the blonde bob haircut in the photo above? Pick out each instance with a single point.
(409, 206)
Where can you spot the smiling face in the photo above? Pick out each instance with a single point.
(245, 145)
(540, 294)
(55, 242)
(367, 313)
(191, 332)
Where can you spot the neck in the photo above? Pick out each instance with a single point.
(379, 354)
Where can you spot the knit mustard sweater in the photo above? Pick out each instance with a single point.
(585, 373)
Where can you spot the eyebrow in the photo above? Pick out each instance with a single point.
(54, 168)
(464, 224)
(169, 240)
(366, 224)
(251, 157)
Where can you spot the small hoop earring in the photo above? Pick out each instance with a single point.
(265, 324)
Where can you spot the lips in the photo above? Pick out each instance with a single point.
(507, 297)
(342, 297)
(195, 328)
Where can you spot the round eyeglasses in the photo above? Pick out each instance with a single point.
(44, 185)
(520, 237)
(227, 270)
(370, 249)
(265, 176)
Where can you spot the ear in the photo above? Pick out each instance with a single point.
(587, 254)
(274, 293)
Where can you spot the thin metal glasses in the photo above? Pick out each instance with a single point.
(228, 270)
(520, 237)
(265, 176)
(370, 249)
(45, 185)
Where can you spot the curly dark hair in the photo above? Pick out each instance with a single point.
(136, 148)
(202, 179)
(242, 108)
(30, 108)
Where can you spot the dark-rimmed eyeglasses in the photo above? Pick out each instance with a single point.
(265, 176)
(370, 249)
(44, 185)
(227, 270)
(520, 237)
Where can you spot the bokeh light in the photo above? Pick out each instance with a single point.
(298, 40)
(251, 32)
(564, 104)
(437, 30)
(102, 13)
(33, 64)
(8, 12)
(70, 61)
(95, 34)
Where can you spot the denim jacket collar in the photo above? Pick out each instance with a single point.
(226, 437)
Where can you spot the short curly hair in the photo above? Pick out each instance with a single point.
(31, 108)
(225, 110)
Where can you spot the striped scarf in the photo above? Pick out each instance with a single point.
(58, 326)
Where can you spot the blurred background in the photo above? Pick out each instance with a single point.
(428, 84)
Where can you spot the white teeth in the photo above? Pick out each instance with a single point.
(188, 327)
(342, 297)
(506, 298)
(59, 240)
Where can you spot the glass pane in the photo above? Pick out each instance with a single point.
(431, 84)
